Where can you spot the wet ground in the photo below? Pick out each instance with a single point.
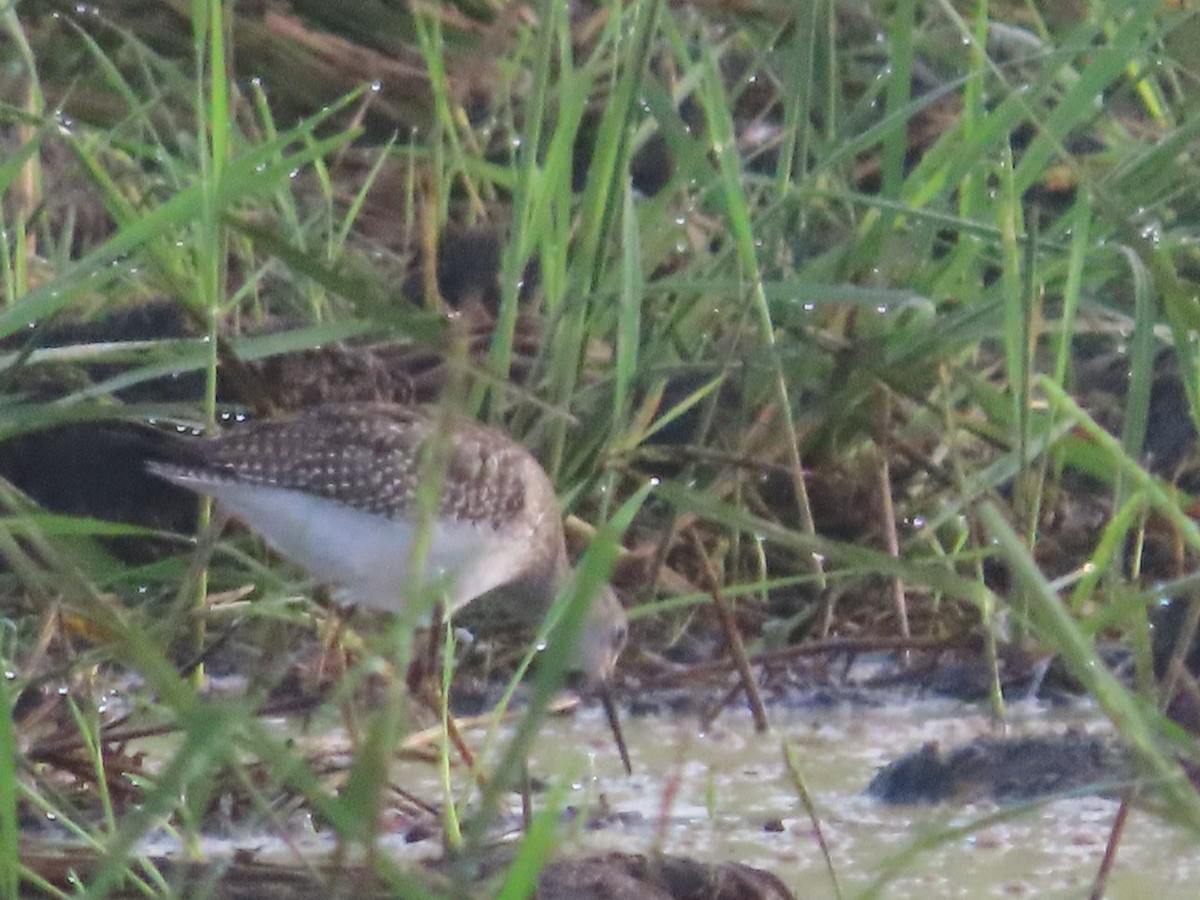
(726, 795)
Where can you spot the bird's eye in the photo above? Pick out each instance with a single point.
(620, 635)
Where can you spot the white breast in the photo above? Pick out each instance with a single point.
(368, 557)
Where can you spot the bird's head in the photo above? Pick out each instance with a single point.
(603, 639)
(604, 635)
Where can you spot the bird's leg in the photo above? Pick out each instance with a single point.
(425, 684)
(460, 745)
(526, 794)
(424, 665)
(331, 658)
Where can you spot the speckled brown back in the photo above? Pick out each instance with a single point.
(370, 456)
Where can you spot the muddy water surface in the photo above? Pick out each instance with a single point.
(726, 795)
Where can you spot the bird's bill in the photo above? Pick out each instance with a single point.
(614, 722)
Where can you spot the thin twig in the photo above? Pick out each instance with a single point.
(1100, 885)
(736, 647)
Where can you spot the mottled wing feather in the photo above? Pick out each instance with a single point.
(485, 477)
(371, 456)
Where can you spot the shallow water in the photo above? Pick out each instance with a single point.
(726, 795)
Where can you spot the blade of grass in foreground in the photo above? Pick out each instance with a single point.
(949, 834)
(216, 735)
(536, 847)
(738, 208)
(935, 573)
(249, 175)
(1133, 718)
(593, 571)
(1140, 480)
(10, 829)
